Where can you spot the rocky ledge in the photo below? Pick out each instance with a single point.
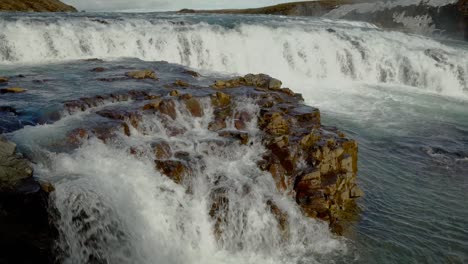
(313, 164)
(26, 235)
(35, 6)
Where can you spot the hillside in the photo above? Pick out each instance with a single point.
(310, 8)
(427, 18)
(35, 6)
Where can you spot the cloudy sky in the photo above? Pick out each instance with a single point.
(166, 5)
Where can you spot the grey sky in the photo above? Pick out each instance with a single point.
(166, 5)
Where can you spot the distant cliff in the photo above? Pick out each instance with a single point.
(446, 17)
(35, 6)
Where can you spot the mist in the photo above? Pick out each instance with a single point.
(166, 5)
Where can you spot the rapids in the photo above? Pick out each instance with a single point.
(403, 97)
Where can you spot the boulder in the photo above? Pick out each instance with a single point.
(3, 79)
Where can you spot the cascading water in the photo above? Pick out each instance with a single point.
(114, 207)
(403, 97)
(304, 49)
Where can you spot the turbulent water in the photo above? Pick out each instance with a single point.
(403, 97)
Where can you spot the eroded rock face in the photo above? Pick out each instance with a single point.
(313, 164)
(26, 235)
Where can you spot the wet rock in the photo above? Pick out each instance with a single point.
(24, 218)
(174, 93)
(277, 125)
(242, 137)
(76, 136)
(133, 117)
(99, 69)
(162, 150)
(241, 119)
(13, 169)
(3, 79)
(217, 125)
(143, 74)
(256, 80)
(192, 73)
(280, 216)
(194, 107)
(315, 165)
(181, 83)
(221, 100)
(167, 107)
(173, 169)
(12, 90)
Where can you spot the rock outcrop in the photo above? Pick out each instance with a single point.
(35, 6)
(26, 236)
(315, 165)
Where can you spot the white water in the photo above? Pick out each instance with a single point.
(298, 52)
(116, 208)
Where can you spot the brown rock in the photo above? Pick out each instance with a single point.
(3, 79)
(181, 83)
(216, 125)
(174, 93)
(277, 125)
(77, 135)
(174, 169)
(168, 107)
(162, 150)
(194, 107)
(243, 137)
(143, 74)
(220, 100)
(12, 90)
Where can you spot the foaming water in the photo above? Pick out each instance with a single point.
(114, 207)
(403, 97)
(292, 49)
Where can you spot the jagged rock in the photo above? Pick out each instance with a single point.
(174, 169)
(24, 219)
(143, 74)
(315, 165)
(217, 125)
(256, 80)
(162, 150)
(133, 117)
(194, 107)
(277, 125)
(220, 100)
(167, 107)
(242, 137)
(12, 90)
(13, 169)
